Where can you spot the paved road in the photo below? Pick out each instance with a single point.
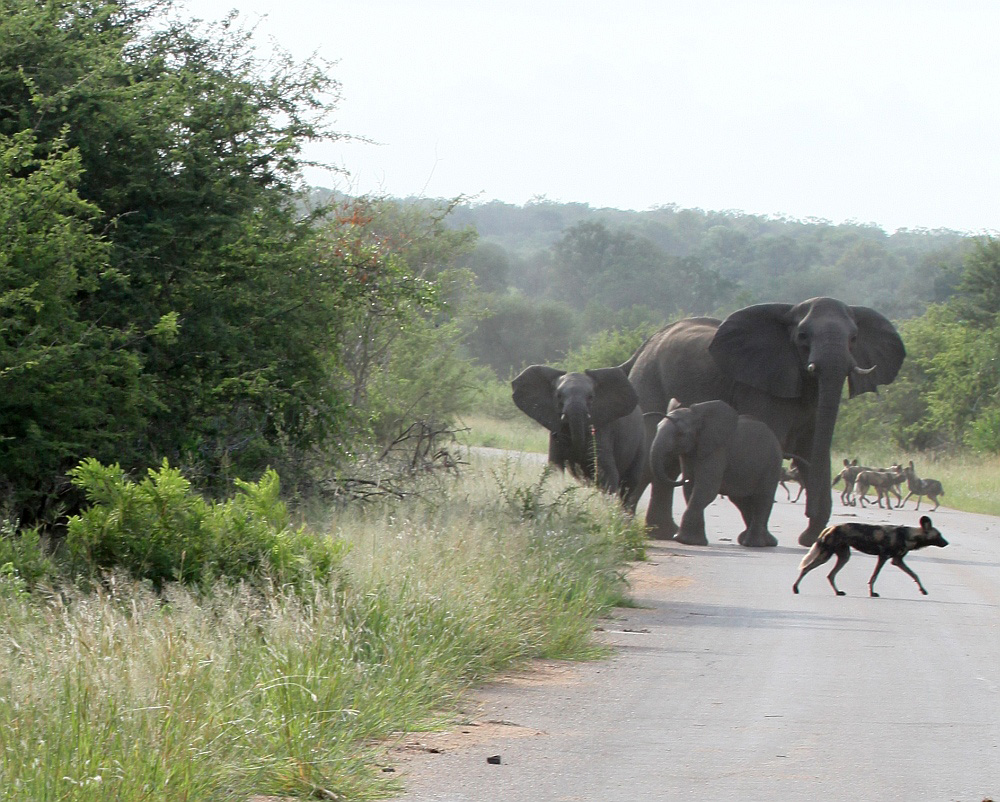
(724, 685)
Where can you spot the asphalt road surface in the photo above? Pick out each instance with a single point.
(724, 685)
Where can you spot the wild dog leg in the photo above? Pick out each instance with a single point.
(843, 555)
(882, 559)
(898, 562)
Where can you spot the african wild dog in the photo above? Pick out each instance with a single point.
(848, 475)
(791, 474)
(884, 480)
(882, 540)
(921, 487)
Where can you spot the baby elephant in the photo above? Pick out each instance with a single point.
(719, 453)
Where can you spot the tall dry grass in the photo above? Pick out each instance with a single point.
(129, 694)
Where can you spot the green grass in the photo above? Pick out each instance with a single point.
(132, 695)
(518, 434)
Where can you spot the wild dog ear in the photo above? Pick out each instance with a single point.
(925, 523)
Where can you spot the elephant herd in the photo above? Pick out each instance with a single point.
(719, 404)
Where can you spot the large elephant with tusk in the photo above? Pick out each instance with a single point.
(783, 364)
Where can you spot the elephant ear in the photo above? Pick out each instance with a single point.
(753, 346)
(614, 395)
(716, 426)
(878, 345)
(535, 394)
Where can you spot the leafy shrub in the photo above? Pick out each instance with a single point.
(23, 557)
(158, 529)
(983, 434)
(608, 348)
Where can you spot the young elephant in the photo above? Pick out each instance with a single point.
(720, 453)
(595, 425)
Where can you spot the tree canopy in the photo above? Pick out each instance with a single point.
(165, 294)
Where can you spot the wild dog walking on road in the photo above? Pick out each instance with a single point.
(848, 475)
(921, 487)
(885, 541)
(885, 481)
(792, 474)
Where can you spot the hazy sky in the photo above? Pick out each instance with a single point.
(882, 111)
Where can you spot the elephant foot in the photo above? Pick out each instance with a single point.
(691, 538)
(661, 531)
(809, 536)
(757, 540)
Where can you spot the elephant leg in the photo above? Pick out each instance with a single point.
(607, 478)
(660, 512)
(692, 529)
(819, 517)
(629, 498)
(756, 511)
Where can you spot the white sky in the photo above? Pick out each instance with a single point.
(878, 111)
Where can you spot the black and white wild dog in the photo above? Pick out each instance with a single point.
(882, 540)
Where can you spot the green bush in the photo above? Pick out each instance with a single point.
(608, 348)
(24, 558)
(160, 530)
(983, 434)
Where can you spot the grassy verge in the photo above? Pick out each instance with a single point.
(520, 434)
(133, 695)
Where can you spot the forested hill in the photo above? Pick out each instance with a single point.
(755, 258)
(552, 278)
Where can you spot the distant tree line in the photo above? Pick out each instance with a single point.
(555, 274)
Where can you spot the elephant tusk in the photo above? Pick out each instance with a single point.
(864, 371)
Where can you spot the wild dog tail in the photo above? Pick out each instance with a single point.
(820, 551)
(812, 556)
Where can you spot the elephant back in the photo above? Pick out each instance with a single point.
(675, 363)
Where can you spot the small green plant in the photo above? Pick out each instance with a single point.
(159, 529)
(24, 558)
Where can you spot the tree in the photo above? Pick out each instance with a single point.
(68, 387)
(398, 339)
(189, 154)
(516, 331)
(978, 298)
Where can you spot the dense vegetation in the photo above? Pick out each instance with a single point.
(165, 292)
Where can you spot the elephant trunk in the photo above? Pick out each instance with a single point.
(662, 453)
(576, 419)
(818, 500)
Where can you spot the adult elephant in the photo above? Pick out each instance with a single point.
(595, 425)
(784, 364)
